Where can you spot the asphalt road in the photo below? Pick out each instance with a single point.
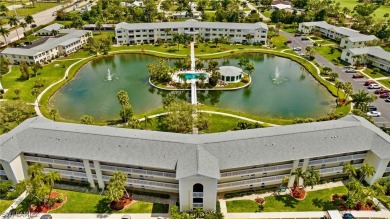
(41, 18)
(358, 84)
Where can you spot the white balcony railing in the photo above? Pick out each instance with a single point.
(197, 194)
(143, 182)
(54, 161)
(67, 172)
(257, 170)
(337, 159)
(137, 171)
(197, 205)
(387, 170)
(253, 181)
(2, 173)
(334, 169)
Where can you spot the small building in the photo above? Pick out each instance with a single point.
(356, 42)
(374, 56)
(281, 6)
(48, 31)
(230, 73)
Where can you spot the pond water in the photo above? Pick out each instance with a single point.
(279, 88)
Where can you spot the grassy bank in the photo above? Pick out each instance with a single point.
(4, 204)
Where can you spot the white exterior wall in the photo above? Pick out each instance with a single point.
(209, 192)
(379, 164)
(16, 170)
(346, 44)
(99, 174)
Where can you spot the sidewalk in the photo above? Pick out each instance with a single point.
(16, 203)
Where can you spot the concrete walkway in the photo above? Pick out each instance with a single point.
(93, 216)
(16, 203)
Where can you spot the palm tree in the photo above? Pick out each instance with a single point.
(299, 174)
(339, 85)
(14, 21)
(35, 92)
(5, 33)
(325, 70)
(250, 67)
(248, 37)
(366, 170)
(35, 67)
(54, 113)
(123, 99)
(198, 213)
(17, 92)
(333, 76)
(50, 179)
(29, 19)
(360, 99)
(178, 39)
(348, 89)
(4, 9)
(350, 170)
(312, 177)
(118, 181)
(216, 41)
(354, 187)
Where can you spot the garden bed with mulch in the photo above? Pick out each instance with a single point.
(121, 204)
(340, 201)
(58, 198)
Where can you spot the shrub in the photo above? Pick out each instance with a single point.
(51, 202)
(369, 202)
(245, 80)
(60, 198)
(377, 208)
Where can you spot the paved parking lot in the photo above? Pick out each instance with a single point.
(358, 84)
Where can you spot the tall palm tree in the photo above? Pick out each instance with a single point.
(120, 179)
(14, 21)
(123, 99)
(360, 99)
(339, 85)
(299, 174)
(366, 170)
(350, 170)
(50, 179)
(5, 33)
(348, 89)
(29, 19)
(354, 187)
(312, 177)
(54, 113)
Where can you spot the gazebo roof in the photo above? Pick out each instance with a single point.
(230, 71)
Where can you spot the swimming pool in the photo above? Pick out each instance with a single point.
(190, 76)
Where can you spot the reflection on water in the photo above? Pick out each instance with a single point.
(89, 93)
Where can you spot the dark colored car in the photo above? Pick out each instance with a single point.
(372, 108)
(369, 82)
(33, 25)
(298, 35)
(348, 216)
(387, 99)
(357, 76)
(384, 95)
(381, 91)
(304, 38)
(288, 41)
(46, 216)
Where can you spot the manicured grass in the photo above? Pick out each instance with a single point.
(267, 13)
(39, 6)
(352, 3)
(4, 204)
(80, 202)
(49, 74)
(381, 74)
(220, 123)
(386, 83)
(278, 41)
(315, 201)
(325, 52)
(385, 201)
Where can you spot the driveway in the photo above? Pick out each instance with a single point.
(358, 84)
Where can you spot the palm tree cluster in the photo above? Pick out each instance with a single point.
(13, 113)
(116, 189)
(363, 99)
(310, 177)
(127, 110)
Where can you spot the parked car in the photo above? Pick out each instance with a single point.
(350, 70)
(372, 108)
(348, 216)
(298, 48)
(368, 83)
(384, 95)
(126, 217)
(304, 38)
(388, 100)
(288, 41)
(357, 76)
(374, 86)
(46, 216)
(33, 25)
(374, 114)
(298, 35)
(381, 91)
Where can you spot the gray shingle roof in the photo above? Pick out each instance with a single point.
(340, 30)
(230, 71)
(194, 154)
(54, 26)
(372, 50)
(363, 38)
(191, 23)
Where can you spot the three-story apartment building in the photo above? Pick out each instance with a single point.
(196, 167)
(136, 33)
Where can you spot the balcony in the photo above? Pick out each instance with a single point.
(386, 171)
(54, 161)
(197, 205)
(253, 181)
(257, 170)
(332, 170)
(197, 194)
(2, 173)
(67, 172)
(137, 171)
(143, 182)
(337, 159)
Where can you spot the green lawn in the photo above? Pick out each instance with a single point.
(220, 123)
(386, 83)
(352, 3)
(325, 52)
(368, 71)
(49, 73)
(278, 41)
(4, 204)
(39, 6)
(385, 201)
(267, 13)
(80, 202)
(314, 201)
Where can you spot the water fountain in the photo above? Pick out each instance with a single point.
(109, 76)
(277, 79)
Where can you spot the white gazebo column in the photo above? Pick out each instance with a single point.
(88, 171)
(292, 178)
(99, 176)
(379, 164)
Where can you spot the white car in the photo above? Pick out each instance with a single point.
(374, 114)
(374, 86)
(298, 48)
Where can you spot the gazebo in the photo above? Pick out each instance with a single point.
(230, 73)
